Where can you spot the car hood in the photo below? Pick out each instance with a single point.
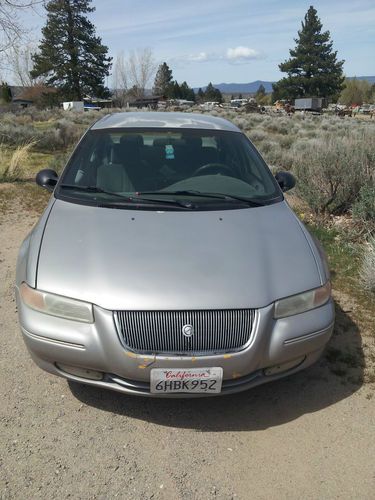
(137, 259)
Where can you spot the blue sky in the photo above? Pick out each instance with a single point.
(229, 40)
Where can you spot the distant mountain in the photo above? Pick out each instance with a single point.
(370, 79)
(241, 88)
(252, 87)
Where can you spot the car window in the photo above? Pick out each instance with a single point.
(128, 162)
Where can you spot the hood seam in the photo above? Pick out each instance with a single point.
(302, 228)
(41, 243)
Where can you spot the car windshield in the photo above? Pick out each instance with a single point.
(170, 167)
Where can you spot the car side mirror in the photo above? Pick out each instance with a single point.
(285, 180)
(47, 179)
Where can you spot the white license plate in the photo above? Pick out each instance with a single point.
(188, 380)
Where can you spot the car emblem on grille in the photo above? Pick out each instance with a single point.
(188, 331)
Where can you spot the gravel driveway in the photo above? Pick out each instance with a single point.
(309, 436)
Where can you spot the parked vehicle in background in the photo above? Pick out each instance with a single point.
(310, 104)
(210, 105)
(181, 103)
(80, 106)
(238, 103)
(365, 109)
(73, 106)
(168, 263)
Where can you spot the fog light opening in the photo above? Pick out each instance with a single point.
(80, 372)
(283, 367)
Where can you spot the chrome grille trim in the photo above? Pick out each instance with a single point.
(160, 332)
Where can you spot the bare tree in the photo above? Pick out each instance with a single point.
(20, 64)
(120, 79)
(141, 69)
(132, 75)
(11, 29)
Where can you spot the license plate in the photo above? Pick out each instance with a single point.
(189, 380)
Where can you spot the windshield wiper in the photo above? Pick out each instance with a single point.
(203, 194)
(129, 199)
(188, 205)
(93, 189)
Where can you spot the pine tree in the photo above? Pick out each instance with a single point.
(200, 95)
(163, 79)
(187, 92)
(313, 69)
(261, 92)
(260, 95)
(70, 55)
(173, 90)
(6, 94)
(213, 94)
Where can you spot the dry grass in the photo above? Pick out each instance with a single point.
(16, 167)
(20, 197)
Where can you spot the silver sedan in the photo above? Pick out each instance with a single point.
(168, 263)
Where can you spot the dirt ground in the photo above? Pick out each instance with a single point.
(309, 436)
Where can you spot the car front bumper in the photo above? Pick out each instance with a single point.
(277, 348)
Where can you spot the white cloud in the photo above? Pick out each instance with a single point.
(237, 55)
(202, 56)
(199, 57)
(241, 54)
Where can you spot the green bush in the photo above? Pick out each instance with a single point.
(331, 171)
(59, 161)
(257, 135)
(364, 207)
(13, 134)
(68, 133)
(59, 135)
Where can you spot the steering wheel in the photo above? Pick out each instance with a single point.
(213, 168)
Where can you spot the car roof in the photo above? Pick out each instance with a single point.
(154, 119)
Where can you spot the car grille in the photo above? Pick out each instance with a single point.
(162, 331)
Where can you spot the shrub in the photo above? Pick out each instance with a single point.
(49, 140)
(286, 141)
(257, 119)
(257, 135)
(368, 267)
(331, 171)
(364, 206)
(268, 146)
(68, 132)
(59, 161)
(274, 155)
(16, 135)
(241, 122)
(280, 126)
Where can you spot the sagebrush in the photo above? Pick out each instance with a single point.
(368, 267)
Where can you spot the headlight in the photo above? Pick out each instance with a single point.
(302, 302)
(56, 305)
